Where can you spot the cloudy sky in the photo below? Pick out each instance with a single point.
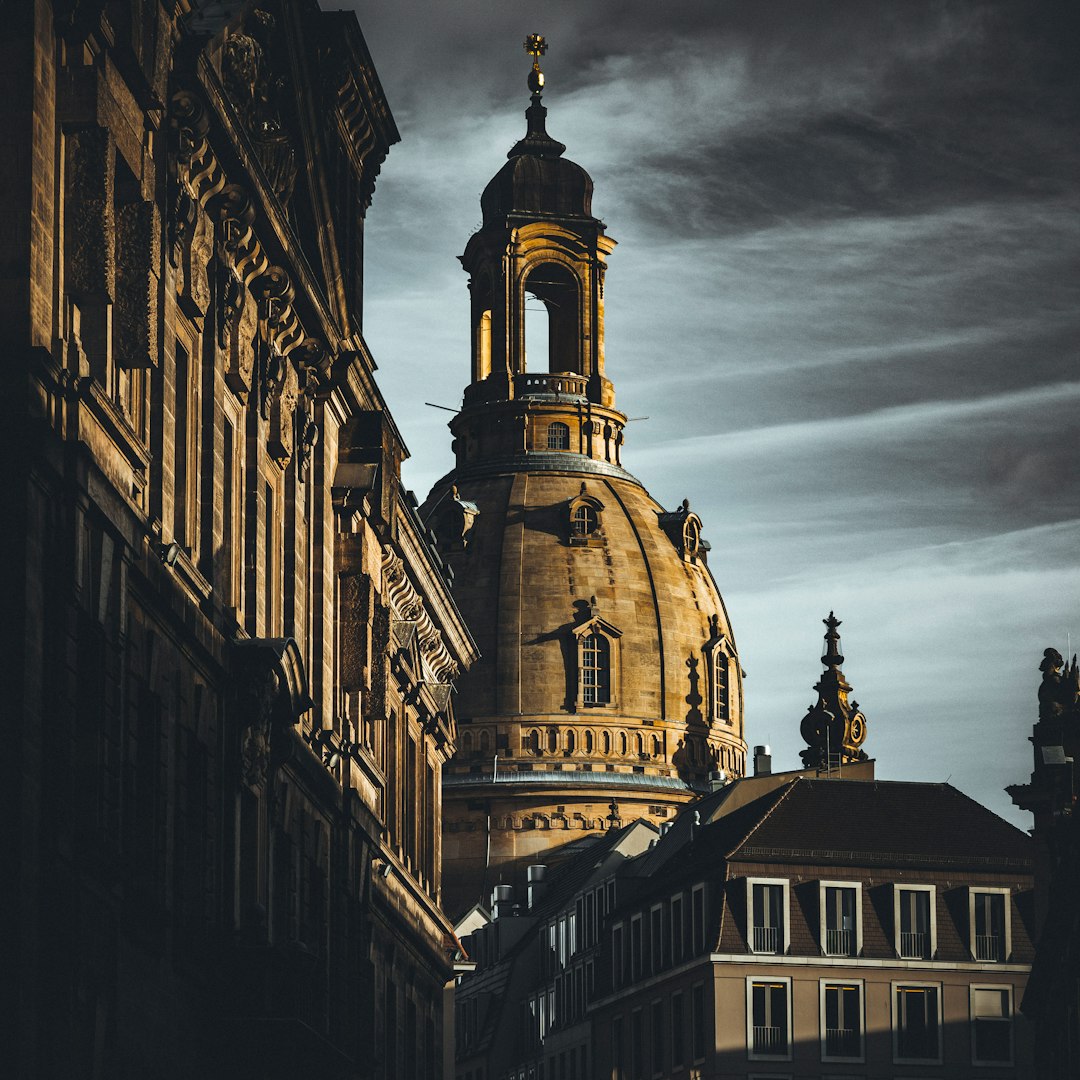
(846, 295)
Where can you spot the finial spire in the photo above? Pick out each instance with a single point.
(833, 727)
(537, 141)
(536, 46)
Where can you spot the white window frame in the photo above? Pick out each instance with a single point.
(857, 886)
(859, 985)
(932, 890)
(785, 929)
(1008, 988)
(916, 984)
(1006, 895)
(762, 978)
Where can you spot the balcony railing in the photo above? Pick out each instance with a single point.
(769, 1040)
(989, 947)
(766, 939)
(913, 946)
(530, 385)
(838, 943)
(841, 1042)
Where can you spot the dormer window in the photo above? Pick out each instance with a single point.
(691, 537)
(558, 436)
(584, 518)
(597, 661)
(584, 521)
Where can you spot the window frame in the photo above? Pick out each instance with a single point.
(561, 430)
(915, 984)
(597, 627)
(823, 986)
(897, 941)
(1010, 1019)
(823, 886)
(785, 928)
(992, 890)
(772, 980)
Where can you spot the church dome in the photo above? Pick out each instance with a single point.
(605, 646)
(535, 183)
(609, 686)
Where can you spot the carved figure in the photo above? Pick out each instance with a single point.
(1059, 691)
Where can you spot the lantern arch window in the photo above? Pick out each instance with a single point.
(558, 436)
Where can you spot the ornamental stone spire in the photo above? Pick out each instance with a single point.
(833, 727)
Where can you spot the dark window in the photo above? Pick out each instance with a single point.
(677, 1036)
(843, 1021)
(697, 1021)
(840, 938)
(618, 1062)
(990, 926)
(767, 931)
(770, 1018)
(992, 1019)
(677, 930)
(698, 919)
(657, 1037)
(583, 521)
(917, 1023)
(914, 924)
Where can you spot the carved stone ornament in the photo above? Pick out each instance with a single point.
(253, 79)
(307, 428)
(274, 293)
(282, 410)
(89, 224)
(195, 257)
(271, 694)
(136, 300)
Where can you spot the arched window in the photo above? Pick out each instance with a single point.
(640, 743)
(558, 436)
(588, 742)
(532, 741)
(691, 537)
(622, 743)
(656, 746)
(583, 521)
(467, 743)
(720, 686)
(553, 740)
(485, 742)
(605, 743)
(595, 670)
(571, 741)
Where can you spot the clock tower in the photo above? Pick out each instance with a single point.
(834, 727)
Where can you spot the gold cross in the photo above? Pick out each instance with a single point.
(535, 46)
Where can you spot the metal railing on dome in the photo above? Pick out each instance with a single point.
(530, 385)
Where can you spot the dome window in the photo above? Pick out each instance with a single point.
(584, 518)
(595, 670)
(719, 657)
(683, 528)
(558, 436)
(597, 660)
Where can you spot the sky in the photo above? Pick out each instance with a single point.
(846, 297)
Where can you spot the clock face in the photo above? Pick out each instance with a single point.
(857, 730)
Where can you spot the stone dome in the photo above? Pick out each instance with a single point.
(530, 184)
(531, 586)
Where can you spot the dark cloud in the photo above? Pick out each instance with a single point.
(846, 295)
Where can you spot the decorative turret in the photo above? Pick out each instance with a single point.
(833, 728)
(539, 255)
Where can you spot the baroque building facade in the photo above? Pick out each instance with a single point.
(233, 646)
(609, 685)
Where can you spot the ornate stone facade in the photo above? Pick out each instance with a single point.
(609, 686)
(233, 645)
